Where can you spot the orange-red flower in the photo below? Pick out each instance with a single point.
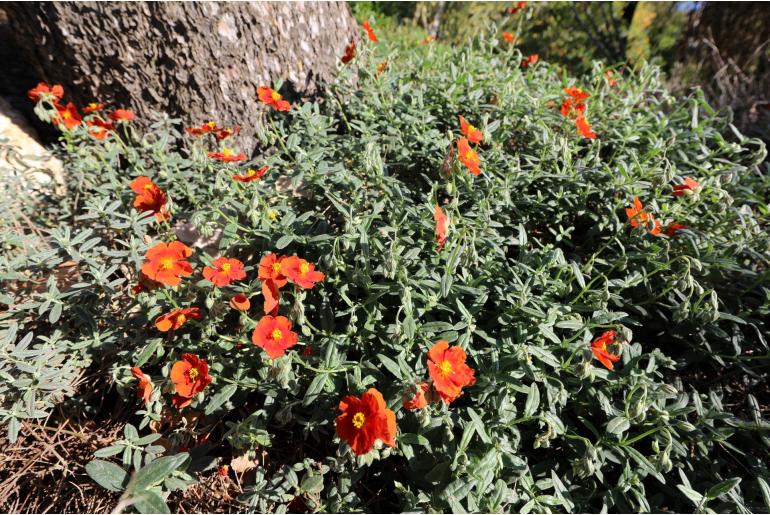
(45, 92)
(468, 156)
(516, 8)
(673, 227)
(529, 60)
(447, 368)
(122, 115)
(576, 93)
(638, 216)
(144, 283)
(67, 116)
(301, 272)
(509, 37)
(599, 348)
(93, 107)
(144, 389)
(271, 296)
(469, 131)
(175, 319)
(227, 156)
(190, 376)
(274, 335)
(572, 108)
(636, 213)
(350, 52)
(240, 302)
(428, 40)
(203, 129)
(584, 128)
(364, 420)
(98, 122)
(99, 133)
(441, 226)
(149, 197)
(251, 175)
(224, 271)
(225, 133)
(166, 263)
(382, 67)
(611, 81)
(689, 187)
(270, 270)
(369, 32)
(418, 401)
(272, 98)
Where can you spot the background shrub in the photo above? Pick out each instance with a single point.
(540, 259)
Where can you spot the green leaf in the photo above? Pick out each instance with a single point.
(157, 471)
(644, 463)
(691, 494)
(722, 487)
(149, 502)
(618, 425)
(218, 399)
(533, 400)
(562, 493)
(315, 387)
(479, 426)
(312, 484)
(412, 438)
(391, 365)
(446, 284)
(147, 352)
(107, 474)
(112, 450)
(765, 492)
(55, 313)
(284, 241)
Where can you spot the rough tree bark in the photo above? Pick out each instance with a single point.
(196, 60)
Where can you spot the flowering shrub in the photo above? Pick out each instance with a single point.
(427, 291)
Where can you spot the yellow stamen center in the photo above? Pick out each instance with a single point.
(181, 319)
(445, 367)
(251, 172)
(276, 334)
(211, 125)
(227, 152)
(66, 115)
(226, 267)
(166, 263)
(148, 186)
(276, 268)
(275, 95)
(304, 268)
(93, 105)
(193, 373)
(358, 420)
(469, 155)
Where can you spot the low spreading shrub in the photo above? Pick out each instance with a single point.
(562, 308)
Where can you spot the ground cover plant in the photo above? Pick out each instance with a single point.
(456, 282)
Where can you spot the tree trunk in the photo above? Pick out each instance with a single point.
(435, 25)
(199, 61)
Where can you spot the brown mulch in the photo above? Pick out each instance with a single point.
(44, 470)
